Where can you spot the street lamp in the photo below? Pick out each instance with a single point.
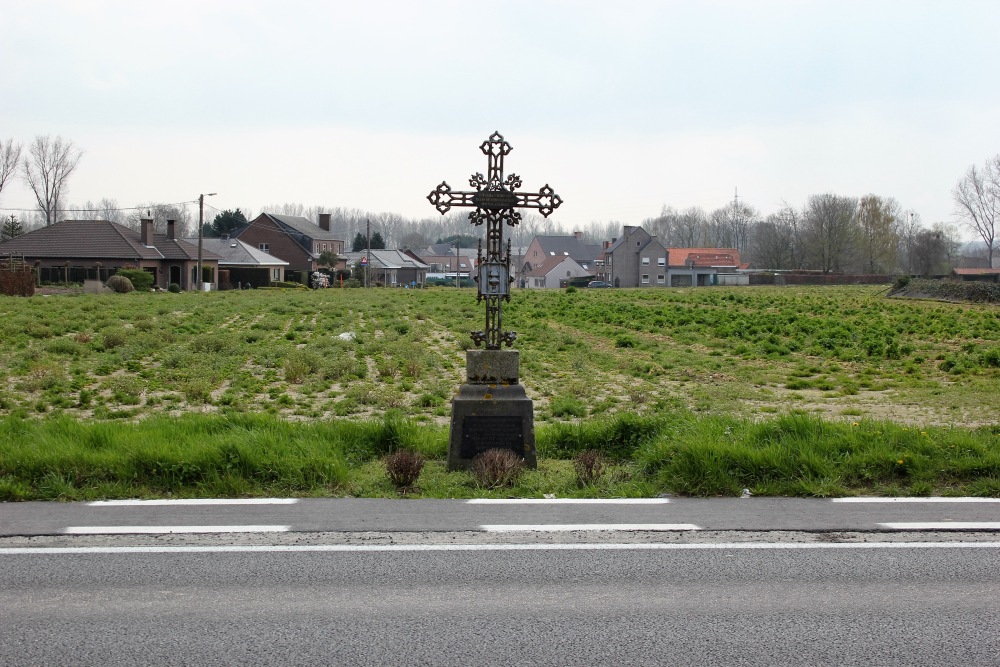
(201, 233)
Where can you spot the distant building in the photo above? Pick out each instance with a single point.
(241, 265)
(554, 272)
(79, 250)
(543, 248)
(636, 259)
(294, 239)
(391, 268)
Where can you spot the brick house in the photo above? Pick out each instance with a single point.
(446, 258)
(79, 250)
(636, 259)
(553, 272)
(698, 267)
(391, 268)
(542, 248)
(295, 240)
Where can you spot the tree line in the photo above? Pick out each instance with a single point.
(828, 233)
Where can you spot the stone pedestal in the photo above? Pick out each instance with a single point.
(491, 410)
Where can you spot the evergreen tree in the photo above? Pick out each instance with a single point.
(359, 243)
(378, 243)
(226, 222)
(11, 228)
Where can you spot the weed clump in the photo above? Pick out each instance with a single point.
(589, 466)
(120, 284)
(403, 468)
(496, 468)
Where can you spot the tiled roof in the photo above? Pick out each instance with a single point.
(387, 259)
(970, 272)
(304, 226)
(704, 257)
(548, 265)
(233, 252)
(568, 245)
(97, 239)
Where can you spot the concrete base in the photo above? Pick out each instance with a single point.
(491, 410)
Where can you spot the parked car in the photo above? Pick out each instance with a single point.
(598, 283)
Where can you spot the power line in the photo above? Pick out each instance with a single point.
(99, 210)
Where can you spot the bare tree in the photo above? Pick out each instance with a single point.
(908, 225)
(106, 209)
(689, 229)
(929, 252)
(49, 164)
(877, 217)
(977, 201)
(829, 231)
(10, 159)
(774, 240)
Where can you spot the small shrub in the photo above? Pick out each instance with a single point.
(902, 282)
(496, 468)
(141, 280)
(174, 288)
(120, 284)
(570, 289)
(403, 468)
(114, 338)
(589, 466)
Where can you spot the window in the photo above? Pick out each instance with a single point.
(661, 261)
(645, 279)
(645, 261)
(275, 274)
(659, 279)
(263, 246)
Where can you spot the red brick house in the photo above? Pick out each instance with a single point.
(294, 239)
(78, 250)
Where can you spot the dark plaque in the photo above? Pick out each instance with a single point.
(495, 200)
(482, 433)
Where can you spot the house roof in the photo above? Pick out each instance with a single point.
(704, 257)
(98, 239)
(388, 259)
(970, 272)
(233, 252)
(569, 245)
(550, 264)
(303, 226)
(445, 250)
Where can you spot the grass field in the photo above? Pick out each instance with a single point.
(840, 352)
(702, 370)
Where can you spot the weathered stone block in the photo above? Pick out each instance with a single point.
(488, 416)
(491, 366)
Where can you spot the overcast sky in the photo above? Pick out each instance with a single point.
(622, 107)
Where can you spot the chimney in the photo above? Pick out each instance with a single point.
(606, 244)
(146, 233)
(324, 221)
(170, 230)
(578, 236)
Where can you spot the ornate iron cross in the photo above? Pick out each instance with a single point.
(494, 198)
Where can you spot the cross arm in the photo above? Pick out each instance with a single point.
(546, 200)
(443, 198)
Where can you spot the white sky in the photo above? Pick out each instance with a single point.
(621, 106)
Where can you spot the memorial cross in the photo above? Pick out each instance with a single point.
(495, 199)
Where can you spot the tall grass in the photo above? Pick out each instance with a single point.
(681, 453)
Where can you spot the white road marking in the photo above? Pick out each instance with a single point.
(563, 527)
(933, 499)
(568, 501)
(194, 501)
(943, 525)
(368, 548)
(166, 530)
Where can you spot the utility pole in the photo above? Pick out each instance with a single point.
(368, 253)
(201, 235)
(458, 262)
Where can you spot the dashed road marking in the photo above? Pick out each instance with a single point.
(193, 501)
(934, 499)
(565, 527)
(167, 530)
(943, 525)
(568, 501)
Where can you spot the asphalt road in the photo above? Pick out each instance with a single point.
(357, 514)
(450, 582)
(712, 604)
